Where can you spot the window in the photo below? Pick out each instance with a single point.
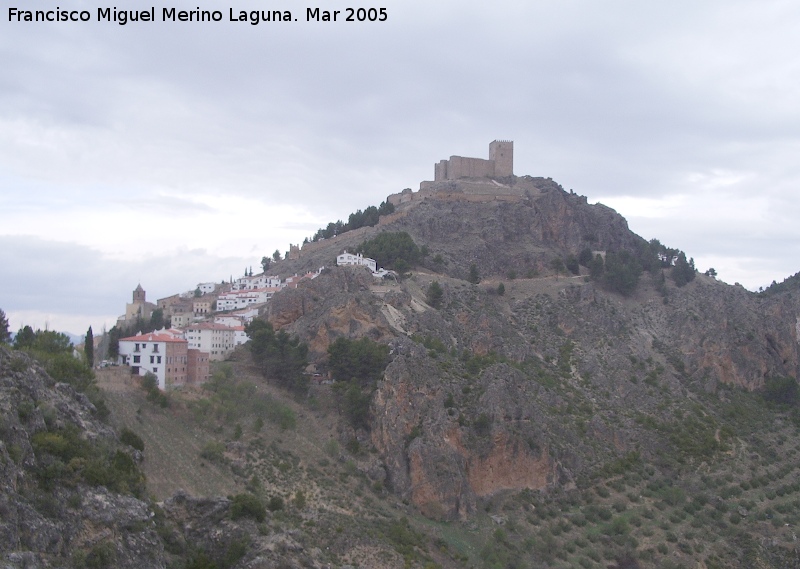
(159, 359)
(136, 359)
(152, 359)
(155, 370)
(136, 348)
(155, 348)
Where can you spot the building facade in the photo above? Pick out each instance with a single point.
(356, 259)
(499, 164)
(164, 354)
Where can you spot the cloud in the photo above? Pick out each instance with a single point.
(167, 153)
(60, 280)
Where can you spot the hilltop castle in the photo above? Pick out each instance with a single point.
(499, 164)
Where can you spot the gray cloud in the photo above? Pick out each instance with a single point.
(623, 99)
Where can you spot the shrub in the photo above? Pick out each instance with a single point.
(275, 503)
(392, 250)
(279, 356)
(213, 452)
(362, 360)
(248, 506)
(435, 294)
(131, 439)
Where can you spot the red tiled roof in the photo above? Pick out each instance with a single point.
(153, 337)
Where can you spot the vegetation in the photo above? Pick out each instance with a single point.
(54, 351)
(781, 392)
(149, 383)
(157, 321)
(88, 347)
(683, 272)
(788, 284)
(5, 334)
(435, 295)
(619, 272)
(367, 218)
(474, 276)
(279, 356)
(248, 506)
(361, 361)
(67, 459)
(131, 439)
(392, 250)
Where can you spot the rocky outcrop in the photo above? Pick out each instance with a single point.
(338, 303)
(47, 518)
(444, 458)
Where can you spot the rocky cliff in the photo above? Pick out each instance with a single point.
(546, 383)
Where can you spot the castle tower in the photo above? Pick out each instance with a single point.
(139, 294)
(501, 152)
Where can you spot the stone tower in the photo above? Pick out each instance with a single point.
(139, 294)
(501, 152)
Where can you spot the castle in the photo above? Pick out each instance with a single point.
(499, 164)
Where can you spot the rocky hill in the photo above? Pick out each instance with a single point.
(548, 422)
(556, 381)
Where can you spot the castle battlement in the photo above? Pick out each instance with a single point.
(499, 164)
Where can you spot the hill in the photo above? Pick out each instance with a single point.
(565, 419)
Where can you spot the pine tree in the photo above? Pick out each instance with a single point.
(5, 335)
(474, 275)
(88, 347)
(435, 294)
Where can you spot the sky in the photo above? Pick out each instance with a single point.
(173, 153)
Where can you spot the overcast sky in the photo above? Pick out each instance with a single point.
(172, 153)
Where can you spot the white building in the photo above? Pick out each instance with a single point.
(162, 353)
(256, 282)
(356, 259)
(229, 320)
(207, 288)
(292, 282)
(237, 300)
(215, 339)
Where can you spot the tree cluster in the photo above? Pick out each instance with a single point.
(789, 283)
(435, 295)
(392, 250)
(5, 334)
(683, 272)
(619, 272)
(367, 218)
(362, 361)
(54, 351)
(356, 365)
(278, 355)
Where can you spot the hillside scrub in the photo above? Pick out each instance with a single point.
(392, 250)
(362, 361)
(367, 218)
(279, 356)
(54, 351)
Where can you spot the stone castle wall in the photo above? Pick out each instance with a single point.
(501, 152)
(499, 164)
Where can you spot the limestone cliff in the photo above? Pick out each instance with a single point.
(565, 370)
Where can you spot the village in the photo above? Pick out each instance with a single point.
(206, 324)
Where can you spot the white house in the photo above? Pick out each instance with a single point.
(356, 259)
(229, 320)
(207, 288)
(215, 339)
(292, 282)
(256, 282)
(236, 300)
(162, 353)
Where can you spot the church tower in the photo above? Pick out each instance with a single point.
(139, 294)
